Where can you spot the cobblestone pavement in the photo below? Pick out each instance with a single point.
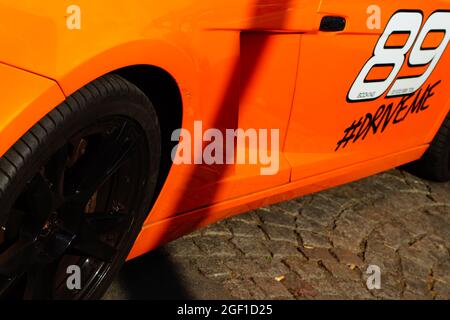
(319, 246)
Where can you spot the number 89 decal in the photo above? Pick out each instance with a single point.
(403, 22)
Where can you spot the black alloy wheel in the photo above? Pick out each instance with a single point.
(75, 191)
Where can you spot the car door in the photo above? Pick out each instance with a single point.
(247, 56)
(378, 87)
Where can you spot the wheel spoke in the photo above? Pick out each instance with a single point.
(108, 222)
(56, 170)
(71, 213)
(7, 285)
(2, 235)
(17, 257)
(14, 225)
(56, 245)
(88, 243)
(40, 200)
(40, 282)
(92, 170)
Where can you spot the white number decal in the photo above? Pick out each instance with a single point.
(438, 21)
(405, 23)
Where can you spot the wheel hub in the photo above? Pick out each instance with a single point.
(76, 210)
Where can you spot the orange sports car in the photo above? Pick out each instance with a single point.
(127, 124)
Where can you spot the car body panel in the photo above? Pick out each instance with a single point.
(155, 234)
(238, 64)
(321, 111)
(25, 97)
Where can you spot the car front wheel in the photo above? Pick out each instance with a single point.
(75, 191)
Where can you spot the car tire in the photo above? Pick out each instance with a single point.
(435, 164)
(75, 191)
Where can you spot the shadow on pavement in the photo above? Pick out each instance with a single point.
(156, 276)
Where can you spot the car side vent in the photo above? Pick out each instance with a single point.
(332, 24)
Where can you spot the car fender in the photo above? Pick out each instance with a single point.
(25, 98)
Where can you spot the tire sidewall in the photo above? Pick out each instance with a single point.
(92, 109)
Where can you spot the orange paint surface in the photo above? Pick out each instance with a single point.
(238, 64)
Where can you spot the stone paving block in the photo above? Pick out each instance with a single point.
(217, 230)
(441, 271)
(404, 201)
(291, 207)
(314, 240)
(246, 267)
(318, 254)
(195, 234)
(388, 293)
(182, 248)
(305, 200)
(282, 249)
(249, 217)
(341, 271)
(277, 218)
(343, 195)
(353, 223)
(355, 290)
(377, 253)
(439, 221)
(395, 181)
(327, 287)
(299, 288)
(392, 285)
(275, 268)
(394, 236)
(272, 288)
(390, 279)
(244, 289)
(441, 291)
(245, 230)
(418, 286)
(215, 246)
(276, 233)
(388, 262)
(439, 192)
(420, 254)
(329, 204)
(346, 242)
(305, 224)
(319, 215)
(348, 257)
(251, 247)
(408, 295)
(213, 268)
(417, 184)
(307, 270)
(413, 269)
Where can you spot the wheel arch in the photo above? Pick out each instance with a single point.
(46, 94)
(42, 90)
(162, 89)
